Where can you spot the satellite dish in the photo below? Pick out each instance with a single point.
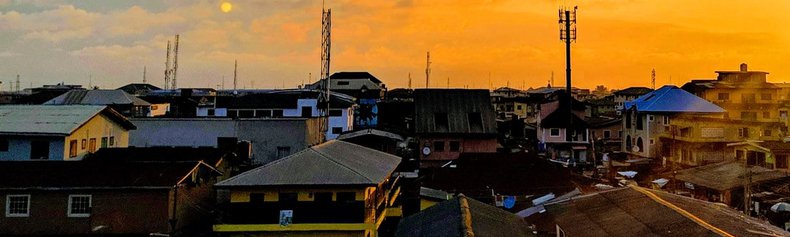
(426, 150)
(509, 202)
(635, 148)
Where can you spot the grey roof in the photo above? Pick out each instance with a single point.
(726, 175)
(96, 97)
(347, 84)
(52, 119)
(671, 99)
(370, 131)
(434, 193)
(446, 219)
(456, 103)
(331, 163)
(637, 91)
(630, 212)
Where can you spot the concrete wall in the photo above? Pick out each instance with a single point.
(19, 147)
(265, 135)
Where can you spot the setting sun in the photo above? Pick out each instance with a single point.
(226, 7)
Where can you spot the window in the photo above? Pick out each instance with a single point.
(79, 205)
(256, 198)
(724, 96)
(685, 132)
(652, 142)
(232, 113)
(335, 113)
(554, 132)
(210, 112)
(781, 161)
(475, 122)
(438, 146)
(72, 148)
(767, 133)
(92, 145)
(307, 111)
(337, 130)
(112, 140)
(652, 117)
(277, 113)
(39, 150)
(751, 116)
(748, 98)
(455, 146)
(783, 115)
(3, 144)
(342, 83)
(84, 143)
(666, 120)
(639, 122)
(283, 151)
(518, 107)
(743, 132)
(104, 142)
(765, 96)
(620, 133)
(440, 121)
(17, 205)
(628, 120)
(607, 134)
(766, 114)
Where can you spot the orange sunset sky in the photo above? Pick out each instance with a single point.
(277, 43)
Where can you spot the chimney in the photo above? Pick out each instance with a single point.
(743, 67)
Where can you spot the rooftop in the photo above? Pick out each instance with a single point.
(633, 91)
(671, 99)
(52, 119)
(331, 163)
(458, 105)
(727, 175)
(462, 216)
(635, 211)
(96, 97)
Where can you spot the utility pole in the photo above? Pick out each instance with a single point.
(653, 78)
(144, 71)
(410, 81)
(448, 82)
(428, 69)
(747, 189)
(568, 35)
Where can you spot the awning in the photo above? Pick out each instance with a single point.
(629, 174)
(661, 182)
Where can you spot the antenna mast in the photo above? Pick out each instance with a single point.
(428, 69)
(653, 78)
(326, 46)
(568, 35)
(17, 83)
(167, 66)
(235, 66)
(175, 64)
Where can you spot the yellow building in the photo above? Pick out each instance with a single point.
(746, 95)
(59, 132)
(333, 189)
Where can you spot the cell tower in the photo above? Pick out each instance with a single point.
(167, 66)
(568, 35)
(175, 64)
(326, 46)
(653, 78)
(235, 66)
(428, 69)
(17, 83)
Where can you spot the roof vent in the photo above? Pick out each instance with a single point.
(743, 67)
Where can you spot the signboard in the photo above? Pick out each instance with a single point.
(711, 132)
(286, 217)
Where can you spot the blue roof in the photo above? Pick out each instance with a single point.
(671, 99)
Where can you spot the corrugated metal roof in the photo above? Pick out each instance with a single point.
(331, 163)
(96, 97)
(372, 132)
(49, 119)
(448, 219)
(671, 99)
(727, 175)
(456, 104)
